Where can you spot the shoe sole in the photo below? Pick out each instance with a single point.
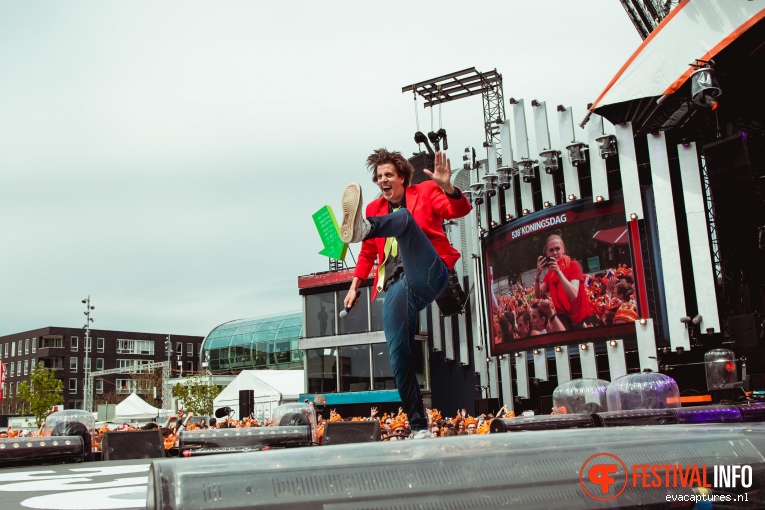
(351, 202)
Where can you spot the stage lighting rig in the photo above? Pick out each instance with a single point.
(419, 137)
(442, 135)
(576, 154)
(436, 137)
(606, 146)
(691, 320)
(550, 160)
(505, 174)
(477, 190)
(526, 169)
(704, 87)
(490, 184)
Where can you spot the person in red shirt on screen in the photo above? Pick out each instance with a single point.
(563, 283)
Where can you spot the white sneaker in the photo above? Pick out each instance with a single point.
(355, 226)
(421, 434)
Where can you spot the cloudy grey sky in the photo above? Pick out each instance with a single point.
(165, 158)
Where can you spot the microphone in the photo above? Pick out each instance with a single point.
(347, 309)
(223, 411)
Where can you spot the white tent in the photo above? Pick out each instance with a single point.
(134, 408)
(271, 387)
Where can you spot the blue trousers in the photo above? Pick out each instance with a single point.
(425, 276)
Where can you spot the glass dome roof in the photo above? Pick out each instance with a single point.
(262, 342)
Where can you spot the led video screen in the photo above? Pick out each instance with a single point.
(561, 275)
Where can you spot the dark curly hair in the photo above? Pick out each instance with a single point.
(384, 156)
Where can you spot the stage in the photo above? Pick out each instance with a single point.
(539, 469)
(76, 486)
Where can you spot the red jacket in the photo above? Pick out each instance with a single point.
(429, 206)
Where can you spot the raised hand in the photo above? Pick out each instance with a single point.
(546, 305)
(442, 172)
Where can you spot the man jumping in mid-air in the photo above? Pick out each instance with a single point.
(403, 231)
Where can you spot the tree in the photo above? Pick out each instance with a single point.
(42, 393)
(146, 382)
(110, 397)
(197, 394)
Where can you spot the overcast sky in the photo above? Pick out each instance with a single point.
(165, 158)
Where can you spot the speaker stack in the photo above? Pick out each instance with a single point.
(135, 444)
(246, 403)
(344, 432)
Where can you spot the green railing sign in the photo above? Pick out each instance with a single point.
(329, 231)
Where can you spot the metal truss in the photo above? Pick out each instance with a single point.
(493, 108)
(650, 280)
(167, 391)
(647, 14)
(709, 204)
(336, 265)
(466, 83)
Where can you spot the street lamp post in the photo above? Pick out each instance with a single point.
(87, 390)
(169, 347)
(167, 374)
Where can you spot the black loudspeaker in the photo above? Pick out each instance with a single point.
(736, 170)
(743, 330)
(545, 404)
(420, 161)
(246, 403)
(343, 432)
(452, 299)
(486, 406)
(134, 444)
